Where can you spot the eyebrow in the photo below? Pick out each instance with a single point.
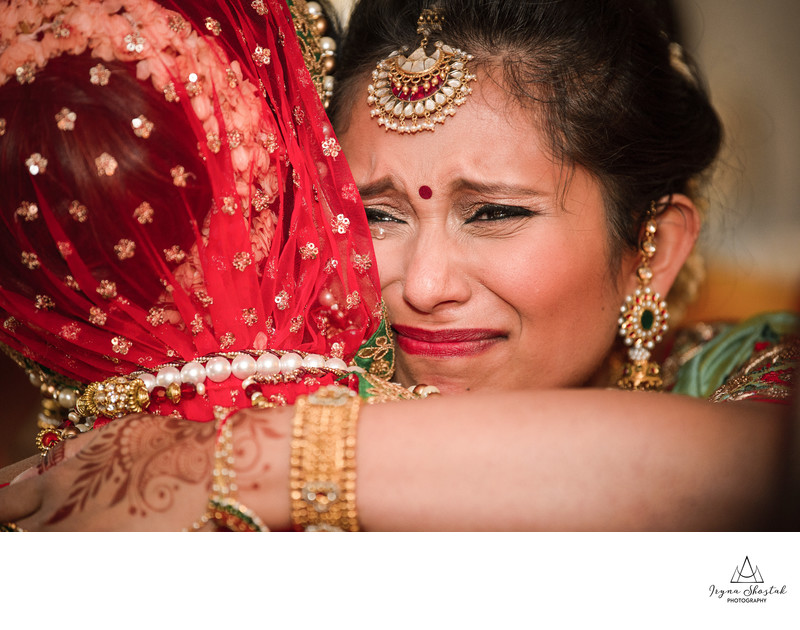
(377, 187)
(386, 184)
(495, 188)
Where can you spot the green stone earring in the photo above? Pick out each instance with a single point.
(643, 320)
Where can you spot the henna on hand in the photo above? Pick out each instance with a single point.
(141, 460)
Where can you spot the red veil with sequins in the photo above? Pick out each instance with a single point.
(214, 212)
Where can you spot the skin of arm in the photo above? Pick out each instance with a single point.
(545, 460)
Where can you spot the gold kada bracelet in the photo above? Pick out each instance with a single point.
(323, 475)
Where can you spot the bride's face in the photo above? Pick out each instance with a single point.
(493, 259)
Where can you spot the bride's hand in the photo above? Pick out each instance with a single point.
(138, 473)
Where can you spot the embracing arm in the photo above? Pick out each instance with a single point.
(560, 460)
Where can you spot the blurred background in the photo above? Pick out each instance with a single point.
(750, 55)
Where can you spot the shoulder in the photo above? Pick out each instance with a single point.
(755, 359)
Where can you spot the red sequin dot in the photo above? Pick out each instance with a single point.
(50, 438)
(425, 192)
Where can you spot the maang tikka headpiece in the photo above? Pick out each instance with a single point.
(412, 93)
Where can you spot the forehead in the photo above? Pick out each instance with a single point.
(491, 131)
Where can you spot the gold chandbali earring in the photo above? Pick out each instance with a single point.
(643, 321)
(415, 92)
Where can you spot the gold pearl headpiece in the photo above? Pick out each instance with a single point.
(411, 93)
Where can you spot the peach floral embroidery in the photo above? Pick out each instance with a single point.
(28, 211)
(143, 213)
(174, 254)
(64, 248)
(97, 316)
(142, 127)
(99, 75)
(241, 260)
(331, 148)
(106, 164)
(107, 289)
(30, 260)
(70, 331)
(72, 283)
(250, 316)
(121, 345)
(65, 119)
(78, 211)
(44, 303)
(37, 164)
(125, 249)
(156, 316)
(282, 301)
(227, 340)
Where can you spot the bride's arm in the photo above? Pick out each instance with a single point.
(559, 460)
(562, 460)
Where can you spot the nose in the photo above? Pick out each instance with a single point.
(436, 272)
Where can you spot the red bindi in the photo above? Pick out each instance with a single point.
(425, 192)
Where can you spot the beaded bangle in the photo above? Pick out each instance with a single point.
(323, 473)
(223, 507)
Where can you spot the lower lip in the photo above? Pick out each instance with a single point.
(445, 349)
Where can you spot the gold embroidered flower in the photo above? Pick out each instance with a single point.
(362, 262)
(261, 56)
(28, 211)
(64, 248)
(176, 22)
(331, 148)
(241, 260)
(70, 331)
(296, 324)
(197, 325)
(125, 249)
(213, 142)
(179, 176)
(174, 254)
(259, 6)
(78, 211)
(194, 86)
(309, 251)
(107, 289)
(282, 301)
(97, 316)
(143, 213)
(44, 303)
(353, 299)
(106, 164)
(229, 205)
(331, 265)
(142, 127)
(99, 75)
(65, 119)
(10, 324)
(120, 345)
(36, 164)
(250, 316)
(170, 94)
(156, 316)
(350, 192)
(340, 223)
(203, 297)
(213, 25)
(26, 73)
(30, 260)
(227, 340)
(235, 139)
(299, 114)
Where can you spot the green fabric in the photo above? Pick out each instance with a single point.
(702, 375)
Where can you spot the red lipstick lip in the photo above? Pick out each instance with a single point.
(453, 342)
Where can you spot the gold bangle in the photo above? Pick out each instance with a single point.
(223, 508)
(323, 460)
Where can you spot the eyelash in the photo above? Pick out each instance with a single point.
(374, 215)
(498, 212)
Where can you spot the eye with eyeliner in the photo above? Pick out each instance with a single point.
(378, 215)
(490, 212)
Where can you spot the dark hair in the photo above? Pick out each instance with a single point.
(609, 93)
